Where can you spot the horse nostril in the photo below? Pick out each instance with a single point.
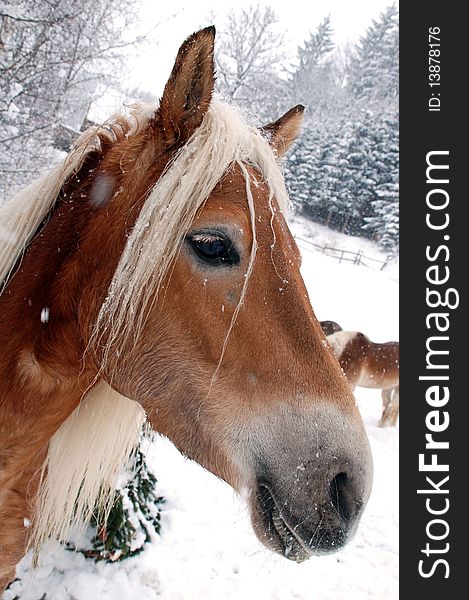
(339, 491)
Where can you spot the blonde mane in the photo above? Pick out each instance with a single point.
(222, 140)
(85, 458)
(21, 216)
(99, 438)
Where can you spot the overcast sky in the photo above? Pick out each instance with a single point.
(297, 18)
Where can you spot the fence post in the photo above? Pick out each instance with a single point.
(384, 263)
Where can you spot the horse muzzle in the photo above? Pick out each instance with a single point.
(315, 529)
(308, 499)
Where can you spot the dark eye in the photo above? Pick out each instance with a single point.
(213, 248)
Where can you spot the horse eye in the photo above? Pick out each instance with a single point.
(213, 248)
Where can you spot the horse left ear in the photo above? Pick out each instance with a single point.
(189, 90)
(283, 132)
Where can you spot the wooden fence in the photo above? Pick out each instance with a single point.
(357, 258)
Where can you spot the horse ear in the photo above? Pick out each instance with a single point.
(284, 131)
(188, 92)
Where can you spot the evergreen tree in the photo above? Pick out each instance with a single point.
(299, 171)
(312, 82)
(324, 187)
(360, 171)
(341, 171)
(384, 222)
(313, 55)
(375, 70)
(344, 174)
(315, 173)
(133, 521)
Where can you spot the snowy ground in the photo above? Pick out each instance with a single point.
(207, 550)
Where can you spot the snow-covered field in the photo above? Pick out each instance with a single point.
(207, 550)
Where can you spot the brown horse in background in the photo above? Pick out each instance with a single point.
(141, 278)
(371, 365)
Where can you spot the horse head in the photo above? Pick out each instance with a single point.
(170, 274)
(229, 361)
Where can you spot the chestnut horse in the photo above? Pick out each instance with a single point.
(153, 274)
(370, 365)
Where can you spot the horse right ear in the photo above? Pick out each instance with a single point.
(285, 130)
(189, 90)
